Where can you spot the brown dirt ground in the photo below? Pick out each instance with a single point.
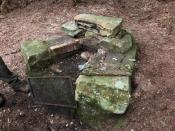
(153, 25)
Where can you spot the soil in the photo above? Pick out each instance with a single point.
(153, 99)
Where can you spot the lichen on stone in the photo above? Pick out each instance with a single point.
(111, 93)
(36, 54)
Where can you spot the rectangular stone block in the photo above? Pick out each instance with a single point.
(65, 47)
(36, 54)
(40, 54)
(105, 26)
(110, 93)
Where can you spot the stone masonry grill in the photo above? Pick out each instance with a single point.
(96, 56)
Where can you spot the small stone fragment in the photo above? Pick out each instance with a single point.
(21, 114)
(72, 29)
(55, 68)
(86, 55)
(71, 123)
(90, 34)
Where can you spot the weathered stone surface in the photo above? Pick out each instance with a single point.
(119, 45)
(112, 63)
(109, 93)
(36, 54)
(104, 86)
(65, 47)
(90, 34)
(105, 26)
(71, 29)
(59, 40)
(91, 114)
(39, 54)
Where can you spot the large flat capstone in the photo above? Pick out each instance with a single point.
(105, 26)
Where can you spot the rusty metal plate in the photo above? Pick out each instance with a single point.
(55, 90)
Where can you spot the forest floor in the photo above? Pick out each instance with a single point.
(153, 99)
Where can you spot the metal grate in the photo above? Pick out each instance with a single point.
(55, 90)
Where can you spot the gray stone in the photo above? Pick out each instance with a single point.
(119, 45)
(114, 64)
(65, 47)
(90, 34)
(71, 29)
(105, 26)
(36, 54)
(40, 54)
(109, 93)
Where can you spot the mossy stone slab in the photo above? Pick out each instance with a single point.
(90, 34)
(106, 26)
(92, 115)
(115, 64)
(71, 29)
(110, 93)
(119, 45)
(36, 54)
